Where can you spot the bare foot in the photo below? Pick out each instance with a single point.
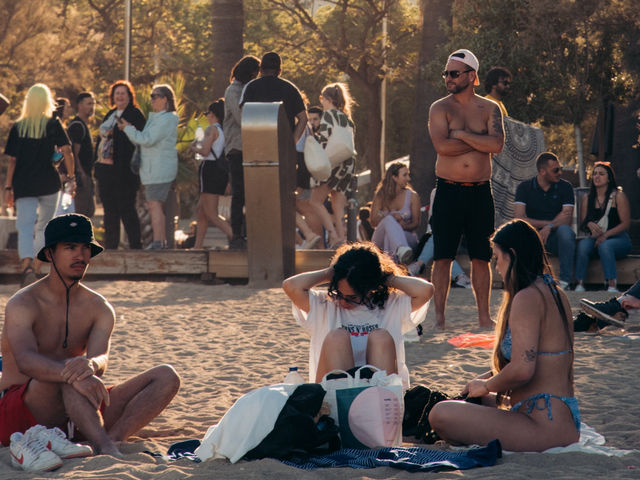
(486, 324)
(109, 449)
(439, 326)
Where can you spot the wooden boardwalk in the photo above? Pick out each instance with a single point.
(232, 264)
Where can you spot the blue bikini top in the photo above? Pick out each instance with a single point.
(506, 344)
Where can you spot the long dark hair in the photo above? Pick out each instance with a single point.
(245, 70)
(366, 269)
(527, 262)
(594, 213)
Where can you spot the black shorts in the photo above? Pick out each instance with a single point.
(213, 178)
(462, 208)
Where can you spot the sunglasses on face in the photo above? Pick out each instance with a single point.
(556, 170)
(156, 95)
(454, 73)
(353, 299)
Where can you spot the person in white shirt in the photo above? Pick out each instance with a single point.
(361, 319)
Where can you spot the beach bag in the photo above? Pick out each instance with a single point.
(368, 411)
(340, 146)
(316, 160)
(296, 431)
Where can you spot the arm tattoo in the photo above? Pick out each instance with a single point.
(530, 355)
(497, 121)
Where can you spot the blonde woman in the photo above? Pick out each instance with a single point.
(33, 183)
(395, 214)
(336, 103)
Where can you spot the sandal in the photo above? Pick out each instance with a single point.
(28, 276)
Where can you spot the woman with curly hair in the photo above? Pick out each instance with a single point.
(527, 399)
(117, 184)
(369, 305)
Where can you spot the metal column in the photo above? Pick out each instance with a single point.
(269, 162)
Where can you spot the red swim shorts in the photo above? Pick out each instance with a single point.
(15, 416)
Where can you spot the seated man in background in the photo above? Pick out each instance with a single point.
(546, 202)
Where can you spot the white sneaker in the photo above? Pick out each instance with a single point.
(613, 290)
(30, 454)
(563, 285)
(55, 440)
(463, 281)
(579, 288)
(404, 254)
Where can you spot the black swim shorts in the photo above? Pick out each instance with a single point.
(462, 209)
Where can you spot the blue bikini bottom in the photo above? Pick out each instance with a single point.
(532, 402)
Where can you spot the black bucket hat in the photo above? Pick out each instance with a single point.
(71, 227)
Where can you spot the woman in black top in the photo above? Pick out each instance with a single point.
(33, 183)
(117, 184)
(606, 218)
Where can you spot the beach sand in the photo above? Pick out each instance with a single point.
(227, 340)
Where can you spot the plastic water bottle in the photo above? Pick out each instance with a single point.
(293, 377)
(199, 138)
(67, 197)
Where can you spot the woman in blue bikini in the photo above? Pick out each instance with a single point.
(532, 360)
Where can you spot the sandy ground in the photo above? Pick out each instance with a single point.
(226, 340)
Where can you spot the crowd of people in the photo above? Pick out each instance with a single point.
(526, 400)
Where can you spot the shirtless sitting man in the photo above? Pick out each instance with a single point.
(465, 130)
(55, 348)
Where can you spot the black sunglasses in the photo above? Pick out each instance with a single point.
(156, 95)
(455, 73)
(353, 299)
(556, 170)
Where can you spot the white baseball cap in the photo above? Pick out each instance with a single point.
(468, 58)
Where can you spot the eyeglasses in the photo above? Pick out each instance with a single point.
(455, 73)
(353, 299)
(156, 95)
(556, 170)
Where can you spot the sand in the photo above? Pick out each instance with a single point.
(226, 340)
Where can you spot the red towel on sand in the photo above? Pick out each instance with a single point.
(484, 340)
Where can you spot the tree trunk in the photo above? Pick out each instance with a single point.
(227, 23)
(423, 155)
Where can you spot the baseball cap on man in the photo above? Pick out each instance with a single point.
(468, 58)
(71, 227)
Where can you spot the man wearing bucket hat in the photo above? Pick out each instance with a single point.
(465, 129)
(55, 348)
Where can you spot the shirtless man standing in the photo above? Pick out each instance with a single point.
(55, 348)
(465, 129)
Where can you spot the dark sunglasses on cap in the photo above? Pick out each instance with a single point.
(455, 73)
(156, 95)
